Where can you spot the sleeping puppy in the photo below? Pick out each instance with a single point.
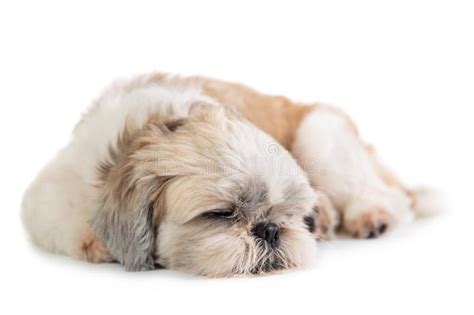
(211, 178)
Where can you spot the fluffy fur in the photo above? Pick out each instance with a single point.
(178, 172)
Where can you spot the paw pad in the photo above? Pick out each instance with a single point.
(369, 224)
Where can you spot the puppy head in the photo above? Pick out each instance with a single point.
(208, 194)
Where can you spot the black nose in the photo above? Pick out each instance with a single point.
(268, 232)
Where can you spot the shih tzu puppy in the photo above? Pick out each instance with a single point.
(211, 178)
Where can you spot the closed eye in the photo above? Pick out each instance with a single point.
(219, 214)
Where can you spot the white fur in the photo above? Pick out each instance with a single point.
(429, 202)
(59, 204)
(338, 164)
(61, 200)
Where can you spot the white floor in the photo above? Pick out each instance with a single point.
(421, 268)
(403, 70)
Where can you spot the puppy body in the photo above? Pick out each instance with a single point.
(184, 172)
(346, 171)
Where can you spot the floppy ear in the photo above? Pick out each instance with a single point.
(125, 224)
(131, 200)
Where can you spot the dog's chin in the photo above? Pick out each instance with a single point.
(246, 258)
(269, 266)
(279, 261)
(288, 256)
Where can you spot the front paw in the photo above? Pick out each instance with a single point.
(324, 221)
(375, 212)
(370, 223)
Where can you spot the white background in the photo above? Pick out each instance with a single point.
(404, 70)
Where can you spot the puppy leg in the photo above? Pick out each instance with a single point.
(56, 210)
(324, 221)
(338, 162)
(92, 250)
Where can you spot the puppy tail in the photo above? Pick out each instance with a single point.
(427, 202)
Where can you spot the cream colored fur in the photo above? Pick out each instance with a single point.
(158, 155)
